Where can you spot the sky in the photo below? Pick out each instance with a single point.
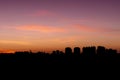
(47, 25)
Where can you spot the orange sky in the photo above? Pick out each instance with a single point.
(47, 25)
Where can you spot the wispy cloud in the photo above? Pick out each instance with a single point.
(83, 28)
(14, 42)
(77, 28)
(39, 28)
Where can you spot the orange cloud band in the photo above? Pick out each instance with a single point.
(44, 29)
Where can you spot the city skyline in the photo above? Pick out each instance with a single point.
(47, 25)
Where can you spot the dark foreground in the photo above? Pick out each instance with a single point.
(49, 59)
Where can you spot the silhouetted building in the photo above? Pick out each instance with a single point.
(105, 56)
(61, 52)
(54, 52)
(57, 52)
(89, 51)
(93, 50)
(101, 50)
(76, 51)
(68, 51)
(30, 52)
(23, 53)
(111, 52)
(84, 50)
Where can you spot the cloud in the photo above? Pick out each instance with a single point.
(67, 29)
(57, 29)
(78, 27)
(83, 28)
(14, 42)
(42, 29)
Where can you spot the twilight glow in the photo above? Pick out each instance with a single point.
(46, 25)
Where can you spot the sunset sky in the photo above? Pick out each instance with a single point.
(46, 25)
